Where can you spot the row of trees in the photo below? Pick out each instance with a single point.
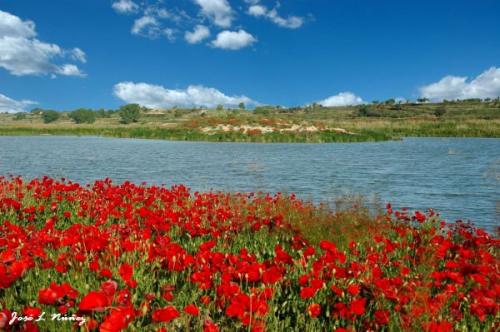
(128, 114)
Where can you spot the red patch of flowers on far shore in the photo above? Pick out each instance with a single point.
(154, 258)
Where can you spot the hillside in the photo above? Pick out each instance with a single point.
(374, 122)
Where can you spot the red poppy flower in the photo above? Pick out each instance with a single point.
(191, 309)
(382, 317)
(165, 315)
(357, 307)
(307, 292)
(47, 296)
(314, 310)
(210, 326)
(353, 289)
(94, 301)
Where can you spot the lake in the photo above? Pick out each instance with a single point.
(458, 177)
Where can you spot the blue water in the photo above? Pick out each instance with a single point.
(459, 177)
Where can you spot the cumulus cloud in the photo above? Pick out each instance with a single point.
(148, 26)
(290, 22)
(125, 6)
(485, 85)
(9, 105)
(233, 40)
(196, 36)
(342, 99)
(21, 53)
(145, 25)
(78, 55)
(218, 11)
(156, 96)
(70, 70)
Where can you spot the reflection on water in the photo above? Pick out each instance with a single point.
(458, 177)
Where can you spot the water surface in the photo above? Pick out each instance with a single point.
(459, 177)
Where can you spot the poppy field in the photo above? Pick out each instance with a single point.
(126, 257)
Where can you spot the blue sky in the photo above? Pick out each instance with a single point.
(65, 54)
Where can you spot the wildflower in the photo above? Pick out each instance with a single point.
(314, 310)
(165, 315)
(94, 301)
(192, 310)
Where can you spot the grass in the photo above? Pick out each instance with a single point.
(383, 122)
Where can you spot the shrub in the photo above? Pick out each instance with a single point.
(49, 116)
(368, 112)
(439, 112)
(83, 115)
(20, 116)
(130, 113)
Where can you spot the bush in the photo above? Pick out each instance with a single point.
(130, 113)
(365, 111)
(102, 113)
(83, 115)
(439, 112)
(49, 116)
(20, 116)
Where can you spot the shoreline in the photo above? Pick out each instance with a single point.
(197, 136)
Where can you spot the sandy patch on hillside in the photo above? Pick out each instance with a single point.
(268, 129)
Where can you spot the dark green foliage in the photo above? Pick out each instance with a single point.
(130, 113)
(366, 111)
(102, 113)
(83, 115)
(439, 112)
(263, 110)
(49, 116)
(20, 116)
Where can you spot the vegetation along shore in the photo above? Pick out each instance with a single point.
(377, 121)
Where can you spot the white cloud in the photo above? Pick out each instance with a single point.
(257, 10)
(486, 85)
(169, 34)
(147, 26)
(9, 105)
(23, 54)
(162, 13)
(13, 26)
(233, 40)
(70, 70)
(125, 6)
(199, 34)
(156, 96)
(291, 22)
(342, 99)
(78, 55)
(219, 11)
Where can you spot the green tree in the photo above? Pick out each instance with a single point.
(20, 116)
(102, 113)
(220, 107)
(130, 113)
(83, 115)
(49, 116)
(241, 106)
